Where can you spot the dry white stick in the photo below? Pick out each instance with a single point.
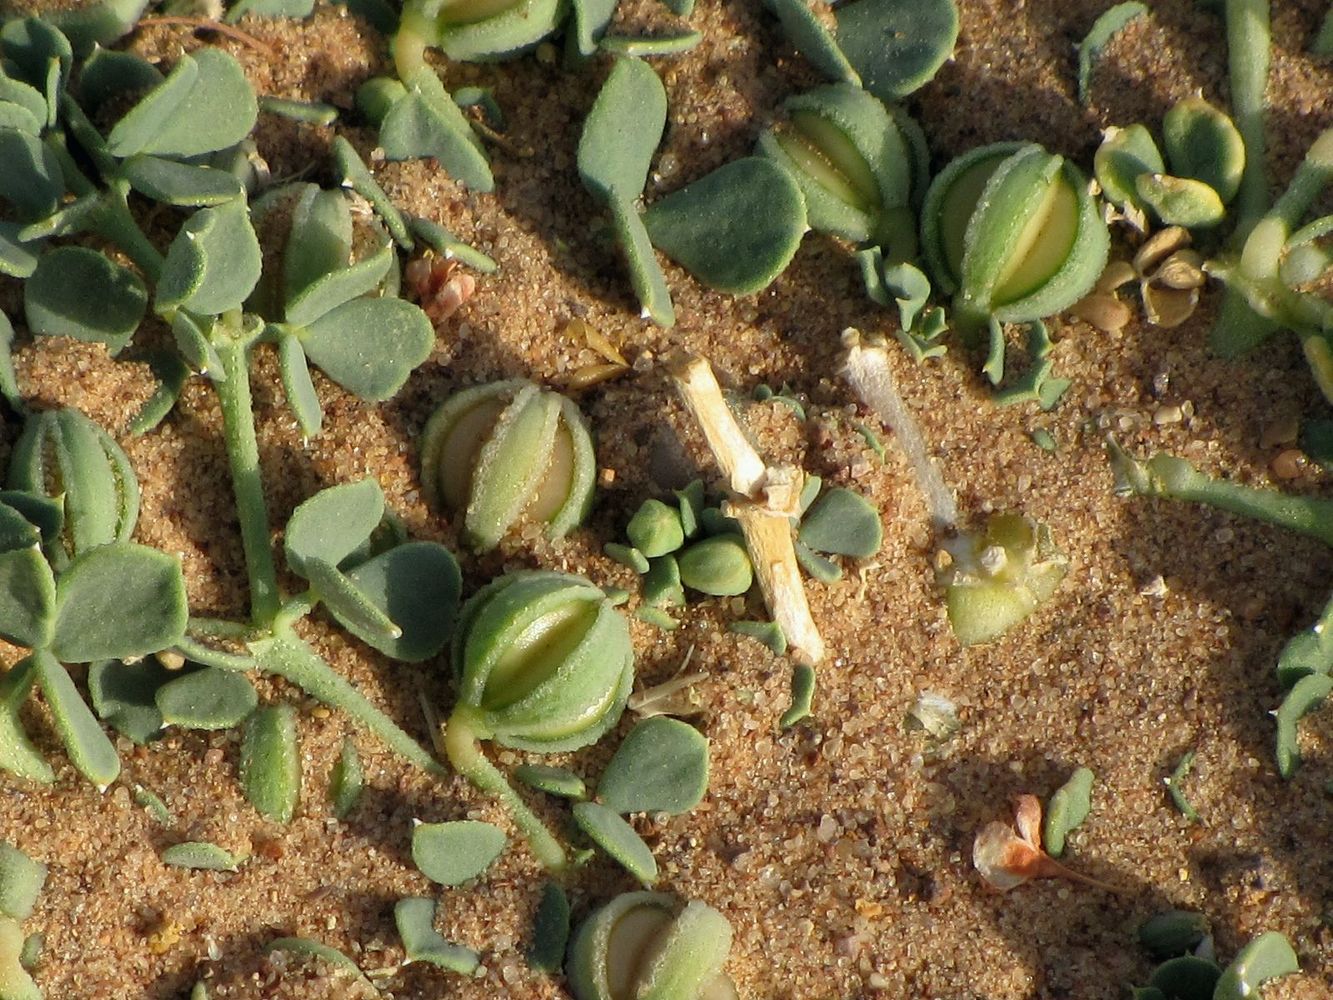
(764, 500)
(869, 373)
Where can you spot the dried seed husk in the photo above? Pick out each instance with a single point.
(1202, 143)
(647, 945)
(718, 566)
(1124, 154)
(1168, 307)
(1160, 246)
(1103, 311)
(63, 455)
(847, 155)
(999, 576)
(505, 453)
(544, 660)
(1182, 270)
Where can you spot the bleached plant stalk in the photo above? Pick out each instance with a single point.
(870, 375)
(764, 500)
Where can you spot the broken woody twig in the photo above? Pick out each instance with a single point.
(764, 500)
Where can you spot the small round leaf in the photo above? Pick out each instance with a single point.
(211, 698)
(661, 767)
(618, 839)
(453, 853)
(78, 293)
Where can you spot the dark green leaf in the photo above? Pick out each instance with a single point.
(347, 780)
(1068, 808)
(415, 919)
(100, 23)
(76, 292)
(17, 754)
(552, 780)
(1110, 23)
(26, 98)
(897, 45)
(180, 183)
(116, 601)
(842, 523)
(27, 597)
(357, 176)
(768, 633)
(661, 767)
(205, 105)
(210, 698)
(171, 374)
(46, 514)
(802, 695)
(296, 383)
(735, 229)
(124, 695)
(320, 240)
(1306, 695)
(618, 839)
(622, 131)
(454, 853)
(1266, 957)
(449, 246)
(200, 856)
(353, 609)
(30, 177)
(32, 45)
(417, 587)
(814, 41)
(16, 531)
(307, 948)
(306, 112)
(550, 930)
(213, 264)
(330, 525)
(427, 123)
(1186, 978)
(18, 258)
(370, 346)
(192, 340)
(109, 75)
(645, 274)
(271, 762)
(338, 287)
(1172, 933)
(89, 749)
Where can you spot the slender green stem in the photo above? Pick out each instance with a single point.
(409, 45)
(220, 628)
(116, 223)
(243, 455)
(198, 652)
(295, 608)
(1248, 56)
(460, 743)
(290, 658)
(1175, 479)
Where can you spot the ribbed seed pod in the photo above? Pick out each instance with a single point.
(852, 162)
(544, 661)
(647, 946)
(63, 455)
(509, 452)
(1015, 232)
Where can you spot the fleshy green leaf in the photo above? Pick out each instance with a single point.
(353, 609)
(200, 856)
(1180, 201)
(1068, 808)
(427, 123)
(550, 929)
(335, 288)
(661, 767)
(297, 9)
(15, 982)
(330, 525)
(89, 749)
(640, 46)
(320, 240)
(213, 264)
(28, 99)
(645, 274)
(1124, 155)
(1266, 957)
(79, 293)
(618, 839)
(415, 919)
(1203, 144)
(552, 780)
(1106, 27)
(453, 853)
(735, 229)
(357, 176)
(109, 74)
(843, 523)
(297, 384)
(180, 183)
(370, 346)
(507, 33)
(416, 586)
(98, 24)
(17, 754)
(1186, 977)
(204, 105)
(1306, 695)
(27, 598)
(306, 948)
(813, 40)
(35, 47)
(124, 695)
(171, 374)
(897, 46)
(347, 780)
(591, 19)
(192, 340)
(18, 258)
(30, 177)
(116, 601)
(449, 246)
(21, 881)
(210, 698)
(271, 762)
(622, 131)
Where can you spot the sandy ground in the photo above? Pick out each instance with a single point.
(841, 858)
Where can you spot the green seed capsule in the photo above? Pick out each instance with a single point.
(544, 661)
(998, 576)
(506, 453)
(852, 162)
(63, 455)
(655, 529)
(719, 566)
(1015, 232)
(647, 946)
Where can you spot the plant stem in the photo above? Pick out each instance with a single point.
(243, 455)
(1248, 56)
(116, 223)
(1175, 479)
(286, 655)
(408, 47)
(460, 743)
